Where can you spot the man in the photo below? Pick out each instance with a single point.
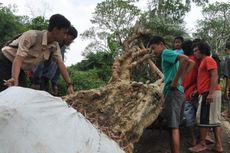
(48, 71)
(190, 89)
(178, 44)
(174, 67)
(208, 113)
(31, 48)
(226, 113)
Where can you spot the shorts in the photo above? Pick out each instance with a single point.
(209, 114)
(190, 113)
(173, 105)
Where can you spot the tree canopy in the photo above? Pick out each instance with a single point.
(215, 26)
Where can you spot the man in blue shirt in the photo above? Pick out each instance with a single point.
(48, 70)
(174, 67)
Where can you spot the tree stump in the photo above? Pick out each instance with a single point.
(123, 108)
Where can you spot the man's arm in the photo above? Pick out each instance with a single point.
(65, 75)
(213, 83)
(26, 40)
(185, 65)
(227, 87)
(16, 66)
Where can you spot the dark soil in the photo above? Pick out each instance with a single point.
(157, 141)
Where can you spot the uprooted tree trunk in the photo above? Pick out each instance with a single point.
(123, 108)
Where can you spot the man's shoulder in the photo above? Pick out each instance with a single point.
(208, 59)
(33, 32)
(168, 52)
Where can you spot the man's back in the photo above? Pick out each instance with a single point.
(33, 47)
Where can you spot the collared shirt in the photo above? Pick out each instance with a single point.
(33, 48)
(180, 51)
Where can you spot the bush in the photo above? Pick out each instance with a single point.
(82, 80)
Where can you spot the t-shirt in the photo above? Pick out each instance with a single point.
(180, 51)
(204, 78)
(227, 67)
(190, 80)
(170, 65)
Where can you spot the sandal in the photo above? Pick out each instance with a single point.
(209, 141)
(198, 148)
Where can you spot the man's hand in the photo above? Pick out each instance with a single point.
(209, 98)
(70, 89)
(193, 94)
(173, 84)
(11, 82)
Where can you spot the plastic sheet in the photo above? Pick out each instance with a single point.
(36, 122)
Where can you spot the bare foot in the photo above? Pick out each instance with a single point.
(218, 149)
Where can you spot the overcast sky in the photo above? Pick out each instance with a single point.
(79, 12)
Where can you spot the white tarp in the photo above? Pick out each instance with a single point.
(36, 122)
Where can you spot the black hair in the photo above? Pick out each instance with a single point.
(195, 41)
(180, 38)
(227, 45)
(156, 40)
(187, 47)
(58, 21)
(73, 32)
(203, 47)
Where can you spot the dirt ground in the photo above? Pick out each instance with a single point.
(157, 141)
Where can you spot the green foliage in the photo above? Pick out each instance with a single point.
(200, 2)
(99, 60)
(162, 26)
(166, 17)
(111, 17)
(10, 24)
(173, 9)
(215, 27)
(82, 80)
(38, 23)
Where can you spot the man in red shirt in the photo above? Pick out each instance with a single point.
(189, 83)
(209, 109)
